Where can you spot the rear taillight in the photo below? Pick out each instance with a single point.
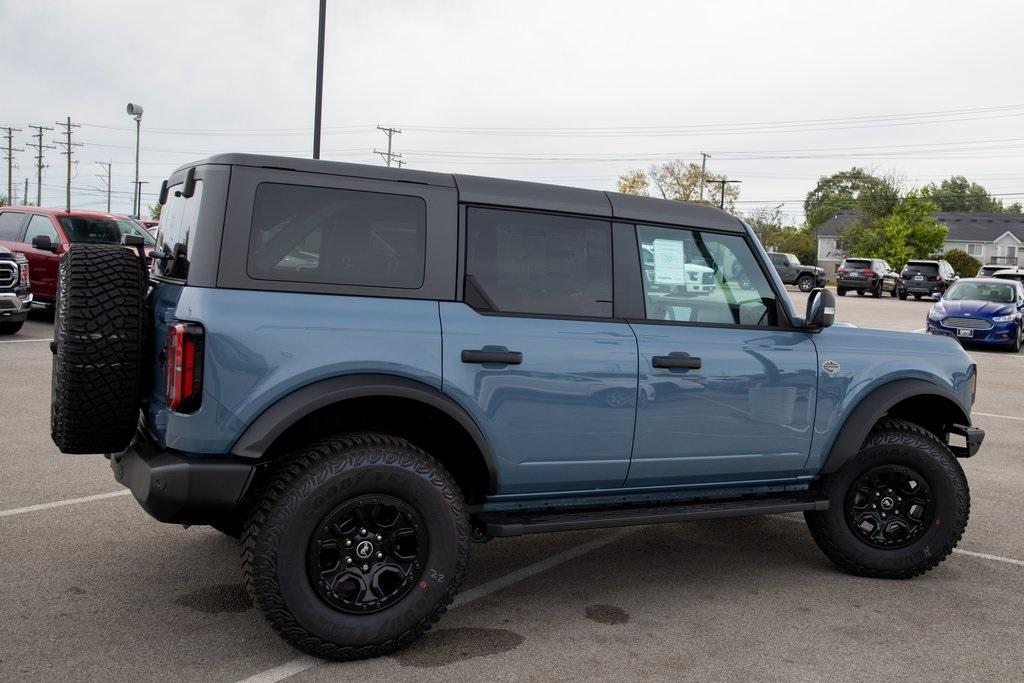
(184, 385)
(23, 275)
(867, 271)
(840, 270)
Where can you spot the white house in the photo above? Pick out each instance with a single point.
(988, 237)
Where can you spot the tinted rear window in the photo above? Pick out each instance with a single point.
(177, 231)
(338, 237)
(856, 263)
(924, 268)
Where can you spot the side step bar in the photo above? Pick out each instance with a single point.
(504, 524)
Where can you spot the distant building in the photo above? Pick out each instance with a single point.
(988, 237)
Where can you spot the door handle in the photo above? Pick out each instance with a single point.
(689, 362)
(504, 357)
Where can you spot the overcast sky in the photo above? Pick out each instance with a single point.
(563, 92)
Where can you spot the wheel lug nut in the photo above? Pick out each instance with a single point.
(348, 560)
(365, 567)
(348, 542)
(379, 537)
(380, 556)
(362, 531)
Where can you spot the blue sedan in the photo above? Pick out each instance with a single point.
(982, 311)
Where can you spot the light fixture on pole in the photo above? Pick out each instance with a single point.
(135, 111)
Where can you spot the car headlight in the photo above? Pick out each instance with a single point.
(1004, 318)
(935, 315)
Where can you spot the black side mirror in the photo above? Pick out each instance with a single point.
(43, 243)
(821, 309)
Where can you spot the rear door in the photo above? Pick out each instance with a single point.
(534, 354)
(727, 390)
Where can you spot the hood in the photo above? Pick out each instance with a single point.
(973, 308)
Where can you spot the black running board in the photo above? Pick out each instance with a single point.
(503, 524)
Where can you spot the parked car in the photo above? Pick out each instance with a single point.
(990, 269)
(981, 311)
(866, 276)
(361, 369)
(924, 278)
(1015, 274)
(793, 272)
(43, 235)
(15, 291)
(692, 279)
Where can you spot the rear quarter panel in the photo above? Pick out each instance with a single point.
(261, 346)
(869, 359)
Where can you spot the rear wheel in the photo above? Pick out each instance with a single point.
(894, 291)
(805, 283)
(917, 297)
(860, 292)
(902, 295)
(9, 327)
(877, 290)
(355, 546)
(897, 509)
(841, 291)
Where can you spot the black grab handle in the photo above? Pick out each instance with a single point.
(505, 357)
(676, 362)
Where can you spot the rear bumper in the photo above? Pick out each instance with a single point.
(178, 488)
(912, 287)
(856, 283)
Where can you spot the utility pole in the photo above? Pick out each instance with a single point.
(39, 160)
(703, 165)
(138, 194)
(24, 197)
(106, 179)
(10, 160)
(723, 183)
(69, 150)
(319, 103)
(388, 156)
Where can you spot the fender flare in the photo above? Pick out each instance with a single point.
(284, 413)
(876, 405)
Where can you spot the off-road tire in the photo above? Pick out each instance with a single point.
(805, 283)
(231, 525)
(903, 443)
(99, 333)
(300, 492)
(9, 327)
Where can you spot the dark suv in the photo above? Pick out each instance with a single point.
(866, 276)
(793, 272)
(360, 370)
(924, 278)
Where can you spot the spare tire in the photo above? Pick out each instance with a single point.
(99, 332)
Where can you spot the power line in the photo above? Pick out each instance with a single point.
(388, 156)
(39, 160)
(9, 152)
(69, 150)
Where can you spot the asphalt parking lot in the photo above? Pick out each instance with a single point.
(92, 588)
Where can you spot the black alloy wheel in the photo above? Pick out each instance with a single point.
(367, 554)
(889, 506)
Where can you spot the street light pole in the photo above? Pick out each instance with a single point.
(135, 111)
(318, 106)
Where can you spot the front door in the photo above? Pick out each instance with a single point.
(534, 355)
(44, 265)
(727, 391)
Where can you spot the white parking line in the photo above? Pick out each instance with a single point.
(1005, 417)
(62, 503)
(305, 662)
(22, 341)
(920, 330)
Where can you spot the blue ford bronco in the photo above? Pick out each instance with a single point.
(361, 370)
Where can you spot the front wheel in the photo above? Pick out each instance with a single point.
(877, 291)
(897, 509)
(355, 546)
(805, 283)
(1015, 346)
(9, 327)
(902, 295)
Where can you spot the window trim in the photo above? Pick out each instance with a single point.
(463, 268)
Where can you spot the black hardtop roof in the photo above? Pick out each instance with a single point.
(501, 192)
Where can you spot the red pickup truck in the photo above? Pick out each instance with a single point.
(42, 235)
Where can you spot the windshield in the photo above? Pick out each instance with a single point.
(996, 292)
(101, 230)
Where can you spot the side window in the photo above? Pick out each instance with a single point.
(10, 226)
(338, 237)
(521, 262)
(698, 277)
(41, 225)
(777, 259)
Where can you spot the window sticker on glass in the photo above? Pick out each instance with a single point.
(669, 262)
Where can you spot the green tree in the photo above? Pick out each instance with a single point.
(854, 189)
(962, 262)
(959, 194)
(772, 229)
(909, 231)
(680, 181)
(3, 200)
(154, 211)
